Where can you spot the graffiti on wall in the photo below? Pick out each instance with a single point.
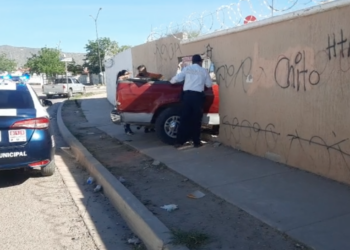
(338, 47)
(302, 70)
(293, 72)
(335, 43)
(167, 51)
(334, 147)
(229, 75)
(236, 129)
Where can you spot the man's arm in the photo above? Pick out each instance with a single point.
(208, 81)
(179, 77)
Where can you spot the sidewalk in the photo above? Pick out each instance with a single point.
(309, 208)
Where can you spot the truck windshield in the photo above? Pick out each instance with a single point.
(64, 80)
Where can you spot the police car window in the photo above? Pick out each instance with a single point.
(10, 99)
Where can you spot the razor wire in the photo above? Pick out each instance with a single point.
(231, 15)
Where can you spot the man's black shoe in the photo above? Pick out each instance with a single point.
(197, 145)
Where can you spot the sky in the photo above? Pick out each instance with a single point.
(67, 24)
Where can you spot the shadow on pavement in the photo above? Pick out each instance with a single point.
(99, 215)
(16, 177)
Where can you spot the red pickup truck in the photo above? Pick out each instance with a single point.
(144, 102)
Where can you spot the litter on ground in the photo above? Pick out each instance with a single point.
(170, 207)
(196, 195)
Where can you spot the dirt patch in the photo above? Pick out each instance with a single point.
(207, 223)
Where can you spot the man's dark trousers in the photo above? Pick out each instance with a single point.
(191, 117)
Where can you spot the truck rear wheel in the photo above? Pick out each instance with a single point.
(167, 124)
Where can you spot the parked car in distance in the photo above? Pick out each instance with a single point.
(144, 102)
(62, 88)
(26, 140)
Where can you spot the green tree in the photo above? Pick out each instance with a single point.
(74, 68)
(107, 48)
(7, 64)
(46, 61)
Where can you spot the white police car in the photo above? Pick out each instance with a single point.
(25, 134)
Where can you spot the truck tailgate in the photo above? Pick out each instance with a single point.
(54, 89)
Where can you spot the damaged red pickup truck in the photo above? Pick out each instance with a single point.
(143, 102)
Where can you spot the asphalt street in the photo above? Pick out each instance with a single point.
(60, 211)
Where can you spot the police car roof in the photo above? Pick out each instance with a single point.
(7, 84)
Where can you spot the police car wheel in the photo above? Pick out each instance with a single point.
(49, 169)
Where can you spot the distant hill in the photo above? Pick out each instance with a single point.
(21, 54)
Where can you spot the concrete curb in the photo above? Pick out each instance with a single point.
(153, 233)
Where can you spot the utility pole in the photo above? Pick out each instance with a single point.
(272, 8)
(98, 45)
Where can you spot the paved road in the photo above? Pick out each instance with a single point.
(57, 212)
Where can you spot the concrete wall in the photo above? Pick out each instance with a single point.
(285, 89)
(160, 56)
(119, 62)
(284, 85)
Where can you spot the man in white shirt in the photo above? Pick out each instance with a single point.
(196, 79)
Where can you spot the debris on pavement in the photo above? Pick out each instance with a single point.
(90, 180)
(196, 195)
(170, 207)
(216, 144)
(68, 151)
(156, 163)
(121, 179)
(98, 188)
(134, 241)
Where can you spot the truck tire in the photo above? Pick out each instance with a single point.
(49, 169)
(48, 96)
(167, 124)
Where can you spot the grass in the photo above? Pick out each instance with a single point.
(190, 239)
